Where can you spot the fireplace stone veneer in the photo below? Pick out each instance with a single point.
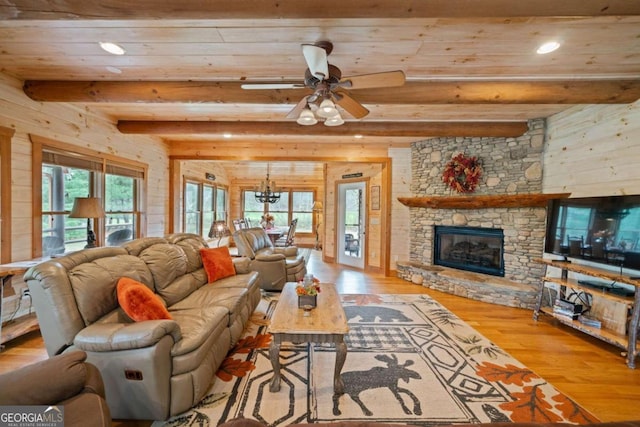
(510, 166)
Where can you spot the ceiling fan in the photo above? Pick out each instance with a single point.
(329, 88)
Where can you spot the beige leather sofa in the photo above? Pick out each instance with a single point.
(152, 369)
(64, 380)
(275, 265)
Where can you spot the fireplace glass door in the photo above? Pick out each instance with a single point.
(470, 248)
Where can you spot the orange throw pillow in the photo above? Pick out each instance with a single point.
(217, 263)
(139, 302)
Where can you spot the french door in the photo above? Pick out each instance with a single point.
(351, 241)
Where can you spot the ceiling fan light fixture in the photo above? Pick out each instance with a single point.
(306, 118)
(547, 47)
(327, 109)
(334, 120)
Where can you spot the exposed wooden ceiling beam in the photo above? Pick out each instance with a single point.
(295, 9)
(413, 92)
(413, 129)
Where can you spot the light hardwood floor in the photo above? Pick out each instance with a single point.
(587, 370)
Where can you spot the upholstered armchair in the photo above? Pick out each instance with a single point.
(275, 265)
(64, 380)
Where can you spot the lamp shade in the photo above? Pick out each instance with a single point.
(327, 108)
(87, 207)
(306, 118)
(317, 206)
(219, 229)
(334, 120)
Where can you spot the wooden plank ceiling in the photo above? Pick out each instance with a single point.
(471, 67)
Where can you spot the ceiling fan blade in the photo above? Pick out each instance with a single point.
(316, 58)
(295, 112)
(374, 80)
(350, 105)
(263, 86)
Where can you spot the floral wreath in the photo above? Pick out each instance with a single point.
(462, 173)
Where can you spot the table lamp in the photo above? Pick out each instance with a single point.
(219, 229)
(88, 207)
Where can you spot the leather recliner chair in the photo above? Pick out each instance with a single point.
(275, 265)
(64, 380)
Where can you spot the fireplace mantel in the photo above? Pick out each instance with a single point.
(484, 201)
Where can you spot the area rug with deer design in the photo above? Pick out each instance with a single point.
(410, 360)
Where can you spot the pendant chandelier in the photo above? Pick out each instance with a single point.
(266, 191)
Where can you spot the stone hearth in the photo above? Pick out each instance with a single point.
(510, 166)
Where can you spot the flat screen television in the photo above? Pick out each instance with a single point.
(599, 229)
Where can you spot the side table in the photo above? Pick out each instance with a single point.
(7, 271)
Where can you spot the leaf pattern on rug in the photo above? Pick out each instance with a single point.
(508, 374)
(247, 344)
(442, 316)
(179, 421)
(572, 412)
(211, 400)
(475, 346)
(362, 299)
(531, 406)
(509, 392)
(234, 368)
(191, 418)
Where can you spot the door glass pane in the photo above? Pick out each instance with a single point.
(352, 223)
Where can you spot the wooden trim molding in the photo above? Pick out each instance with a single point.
(484, 201)
(5, 194)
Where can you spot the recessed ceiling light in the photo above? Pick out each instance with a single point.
(226, 135)
(548, 47)
(114, 70)
(112, 48)
(358, 136)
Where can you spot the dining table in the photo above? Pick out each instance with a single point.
(275, 233)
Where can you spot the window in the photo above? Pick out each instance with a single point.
(252, 209)
(280, 210)
(121, 195)
(302, 208)
(221, 204)
(66, 175)
(192, 221)
(202, 203)
(292, 204)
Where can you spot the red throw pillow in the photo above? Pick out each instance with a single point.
(139, 302)
(217, 263)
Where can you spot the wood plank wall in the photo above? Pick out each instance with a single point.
(73, 125)
(593, 151)
(400, 228)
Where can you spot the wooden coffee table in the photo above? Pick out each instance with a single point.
(326, 323)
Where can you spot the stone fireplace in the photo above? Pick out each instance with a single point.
(510, 166)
